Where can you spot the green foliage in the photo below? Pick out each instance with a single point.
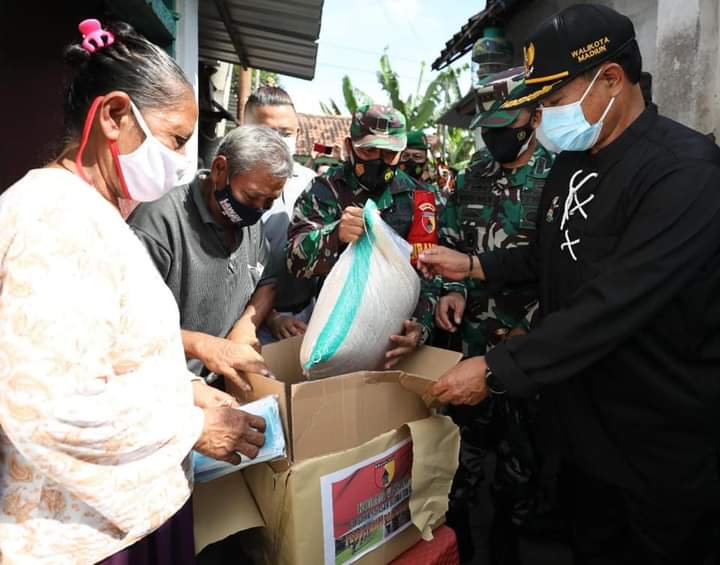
(269, 79)
(423, 108)
(354, 97)
(460, 146)
(390, 83)
(331, 108)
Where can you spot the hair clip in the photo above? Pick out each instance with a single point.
(94, 33)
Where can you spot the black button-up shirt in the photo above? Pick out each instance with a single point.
(627, 254)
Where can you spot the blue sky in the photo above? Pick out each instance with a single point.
(354, 34)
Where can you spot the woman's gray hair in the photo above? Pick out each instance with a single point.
(247, 147)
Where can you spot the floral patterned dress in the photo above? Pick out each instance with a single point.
(96, 411)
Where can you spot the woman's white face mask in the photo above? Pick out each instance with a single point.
(291, 143)
(153, 169)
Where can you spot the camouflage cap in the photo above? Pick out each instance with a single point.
(378, 126)
(416, 140)
(492, 91)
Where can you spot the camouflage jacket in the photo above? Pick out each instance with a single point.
(313, 241)
(491, 208)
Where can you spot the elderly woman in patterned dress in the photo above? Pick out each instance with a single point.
(98, 411)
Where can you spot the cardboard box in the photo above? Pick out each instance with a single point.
(221, 508)
(335, 428)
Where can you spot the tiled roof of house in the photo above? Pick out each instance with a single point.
(328, 130)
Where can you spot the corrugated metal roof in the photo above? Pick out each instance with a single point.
(273, 35)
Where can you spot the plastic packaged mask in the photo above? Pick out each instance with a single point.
(206, 469)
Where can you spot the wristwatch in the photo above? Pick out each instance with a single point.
(493, 383)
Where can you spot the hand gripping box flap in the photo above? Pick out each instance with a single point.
(294, 503)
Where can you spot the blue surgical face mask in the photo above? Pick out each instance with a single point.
(565, 128)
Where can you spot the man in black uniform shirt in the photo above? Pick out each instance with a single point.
(627, 256)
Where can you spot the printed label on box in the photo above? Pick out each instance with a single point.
(366, 504)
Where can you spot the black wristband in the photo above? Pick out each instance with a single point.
(471, 257)
(494, 386)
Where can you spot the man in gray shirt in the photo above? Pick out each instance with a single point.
(208, 245)
(271, 106)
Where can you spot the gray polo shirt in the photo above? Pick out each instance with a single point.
(211, 284)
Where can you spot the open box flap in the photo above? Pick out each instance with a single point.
(283, 359)
(221, 508)
(429, 362)
(436, 452)
(343, 412)
(420, 370)
(340, 413)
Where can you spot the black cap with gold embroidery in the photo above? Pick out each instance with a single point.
(568, 44)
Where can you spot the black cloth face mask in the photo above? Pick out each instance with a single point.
(413, 168)
(373, 174)
(506, 144)
(235, 211)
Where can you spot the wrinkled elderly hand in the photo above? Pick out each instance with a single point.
(232, 360)
(453, 302)
(206, 396)
(463, 384)
(228, 431)
(403, 343)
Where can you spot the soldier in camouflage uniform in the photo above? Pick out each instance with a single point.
(414, 160)
(495, 205)
(328, 215)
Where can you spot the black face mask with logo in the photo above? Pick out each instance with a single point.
(235, 211)
(506, 144)
(373, 174)
(413, 168)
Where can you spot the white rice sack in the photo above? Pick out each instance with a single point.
(366, 297)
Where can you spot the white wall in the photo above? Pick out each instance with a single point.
(687, 50)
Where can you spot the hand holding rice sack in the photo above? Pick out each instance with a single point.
(368, 297)
(331, 215)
